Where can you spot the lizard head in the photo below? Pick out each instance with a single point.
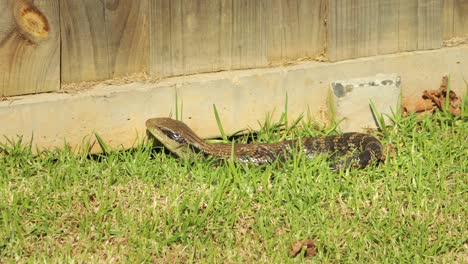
(173, 134)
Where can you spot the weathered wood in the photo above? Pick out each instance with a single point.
(186, 36)
(455, 18)
(247, 34)
(430, 24)
(210, 35)
(85, 54)
(165, 43)
(388, 15)
(29, 47)
(367, 27)
(98, 40)
(295, 29)
(448, 19)
(127, 24)
(460, 18)
(353, 28)
(408, 25)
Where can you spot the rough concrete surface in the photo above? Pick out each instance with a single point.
(243, 98)
(353, 97)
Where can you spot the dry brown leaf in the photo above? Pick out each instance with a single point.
(421, 105)
(296, 248)
(433, 100)
(310, 249)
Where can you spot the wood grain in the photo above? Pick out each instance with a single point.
(91, 40)
(448, 19)
(408, 25)
(353, 29)
(210, 35)
(85, 54)
(294, 29)
(360, 28)
(127, 24)
(430, 24)
(165, 42)
(460, 18)
(29, 56)
(455, 18)
(388, 14)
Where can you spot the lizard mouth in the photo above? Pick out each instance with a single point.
(169, 140)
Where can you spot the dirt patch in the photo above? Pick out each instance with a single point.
(455, 41)
(141, 77)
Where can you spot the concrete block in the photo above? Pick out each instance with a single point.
(353, 97)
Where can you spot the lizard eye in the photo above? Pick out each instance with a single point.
(173, 135)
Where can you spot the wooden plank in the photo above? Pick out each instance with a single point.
(225, 31)
(429, 24)
(401, 25)
(127, 31)
(455, 18)
(332, 30)
(212, 35)
(85, 55)
(460, 18)
(29, 48)
(448, 16)
(367, 37)
(291, 33)
(165, 38)
(201, 36)
(353, 29)
(388, 26)
(7, 23)
(276, 33)
(408, 25)
(248, 34)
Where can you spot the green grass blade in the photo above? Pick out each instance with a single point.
(105, 147)
(178, 112)
(220, 125)
(447, 97)
(379, 118)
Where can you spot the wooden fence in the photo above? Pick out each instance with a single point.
(47, 43)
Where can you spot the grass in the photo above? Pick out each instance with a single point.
(143, 205)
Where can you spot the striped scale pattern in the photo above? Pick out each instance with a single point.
(358, 149)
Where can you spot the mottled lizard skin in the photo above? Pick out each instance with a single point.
(182, 141)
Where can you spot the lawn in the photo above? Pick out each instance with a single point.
(144, 205)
